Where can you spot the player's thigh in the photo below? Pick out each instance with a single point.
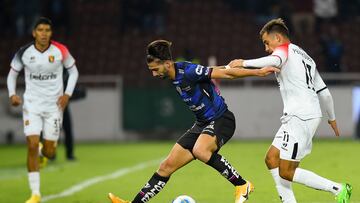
(222, 128)
(177, 158)
(206, 142)
(296, 138)
(32, 122)
(52, 125)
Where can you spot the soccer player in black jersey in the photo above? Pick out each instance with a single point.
(214, 124)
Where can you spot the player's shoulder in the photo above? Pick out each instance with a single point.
(183, 64)
(23, 48)
(60, 46)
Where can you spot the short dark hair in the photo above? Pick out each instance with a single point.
(42, 20)
(158, 50)
(275, 25)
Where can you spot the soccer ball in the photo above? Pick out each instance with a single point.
(183, 199)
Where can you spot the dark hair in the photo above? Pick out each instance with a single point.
(42, 20)
(158, 50)
(275, 25)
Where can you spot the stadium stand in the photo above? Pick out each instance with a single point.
(207, 27)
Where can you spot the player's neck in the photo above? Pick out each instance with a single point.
(172, 71)
(41, 47)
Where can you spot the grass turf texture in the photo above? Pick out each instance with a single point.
(335, 159)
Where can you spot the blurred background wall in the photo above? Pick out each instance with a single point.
(108, 39)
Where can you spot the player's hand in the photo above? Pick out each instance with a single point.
(237, 63)
(334, 127)
(15, 100)
(63, 101)
(267, 70)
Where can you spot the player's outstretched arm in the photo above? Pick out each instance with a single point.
(270, 60)
(15, 100)
(233, 73)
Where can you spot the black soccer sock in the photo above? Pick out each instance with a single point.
(151, 188)
(219, 163)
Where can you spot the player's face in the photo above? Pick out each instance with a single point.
(42, 34)
(271, 41)
(159, 69)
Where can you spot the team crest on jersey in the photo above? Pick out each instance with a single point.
(27, 122)
(51, 59)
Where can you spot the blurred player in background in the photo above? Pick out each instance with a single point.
(43, 62)
(214, 125)
(301, 89)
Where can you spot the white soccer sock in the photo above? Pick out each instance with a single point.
(315, 181)
(283, 187)
(34, 182)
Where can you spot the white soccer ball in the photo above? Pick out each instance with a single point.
(183, 199)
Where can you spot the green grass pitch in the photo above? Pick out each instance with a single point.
(93, 173)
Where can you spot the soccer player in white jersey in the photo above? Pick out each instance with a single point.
(43, 62)
(302, 90)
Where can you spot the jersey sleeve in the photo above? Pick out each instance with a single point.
(282, 53)
(197, 73)
(67, 60)
(319, 84)
(16, 63)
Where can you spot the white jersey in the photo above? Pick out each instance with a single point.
(299, 82)
(43, 74)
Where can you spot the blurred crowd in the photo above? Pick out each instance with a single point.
(305, 18)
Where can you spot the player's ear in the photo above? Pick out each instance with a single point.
(33, 33)
(277, 37)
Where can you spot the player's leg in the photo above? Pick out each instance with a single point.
(52, 126)
(177, 158)
(279, 146)
(283, 187)
(289, 171)
(205, 150)
(298, 146)
(32, 129)
(212, 138)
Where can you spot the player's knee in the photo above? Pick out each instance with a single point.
(49, 152)
(270, 161)
(286, 174)
(166, 168)
(201, 154)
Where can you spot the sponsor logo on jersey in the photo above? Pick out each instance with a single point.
(186, 89)
(178, 89)
(42, 77)
(51, 59)
(199, 69)
(32, 59)
(197, 108)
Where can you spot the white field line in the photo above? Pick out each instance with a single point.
(98, 179)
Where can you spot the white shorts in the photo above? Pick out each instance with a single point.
(47, 122)
(294, 138)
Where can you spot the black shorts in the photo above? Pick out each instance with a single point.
(223, 128)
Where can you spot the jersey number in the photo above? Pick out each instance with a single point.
(309, 79)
